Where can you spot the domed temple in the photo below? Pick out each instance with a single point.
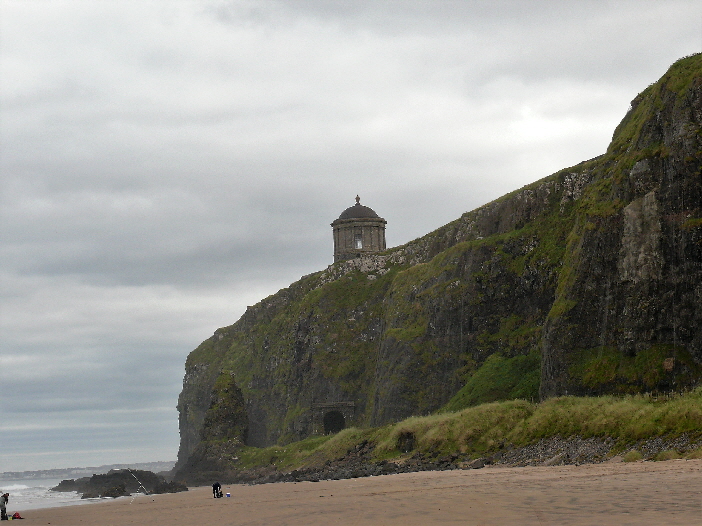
(358, 231)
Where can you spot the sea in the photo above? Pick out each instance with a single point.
(32, 494)
(30, 490)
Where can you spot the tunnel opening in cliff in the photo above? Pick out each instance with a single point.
(334, 422)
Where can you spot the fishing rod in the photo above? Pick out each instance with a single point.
(139, 481)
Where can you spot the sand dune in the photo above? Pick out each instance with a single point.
(613, 493)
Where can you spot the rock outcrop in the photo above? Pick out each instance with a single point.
(119, 483)
(586, 282)
(223, 431)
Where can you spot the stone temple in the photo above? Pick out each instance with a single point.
(358, 231)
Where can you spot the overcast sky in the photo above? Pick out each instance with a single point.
(165, 164)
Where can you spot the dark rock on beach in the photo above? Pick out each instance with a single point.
(119, 483)
(116, 491)
(169, 487)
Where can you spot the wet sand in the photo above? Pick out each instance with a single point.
(612, 493)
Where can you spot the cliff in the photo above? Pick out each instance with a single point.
(586, 282)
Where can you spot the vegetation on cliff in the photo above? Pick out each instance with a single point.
(583, 283)
(497, 432)
(485, 429)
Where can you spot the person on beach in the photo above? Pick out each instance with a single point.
(216, 490)
(4, 499)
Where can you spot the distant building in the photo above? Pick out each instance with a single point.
(358, 231)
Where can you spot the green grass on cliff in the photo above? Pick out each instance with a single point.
(486, 428)
(500, 378)
(606, 367)
(676, 81)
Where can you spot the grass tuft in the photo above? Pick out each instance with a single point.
(632, 456)
(670, 454)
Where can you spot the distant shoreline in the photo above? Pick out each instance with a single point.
(64, 473)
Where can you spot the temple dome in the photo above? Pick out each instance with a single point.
(358, 211)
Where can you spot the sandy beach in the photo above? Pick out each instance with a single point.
(612, 493)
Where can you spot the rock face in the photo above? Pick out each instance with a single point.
(586, 282)
(629, 293)
(223, 430)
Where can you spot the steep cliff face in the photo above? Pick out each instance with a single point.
(222, 432)
(587, 281)
(628, 308)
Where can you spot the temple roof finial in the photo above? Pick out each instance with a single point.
(358, 200)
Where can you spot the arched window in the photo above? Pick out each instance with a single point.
(358, 241)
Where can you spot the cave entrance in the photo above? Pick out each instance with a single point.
(331, 417)
(334, 422)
